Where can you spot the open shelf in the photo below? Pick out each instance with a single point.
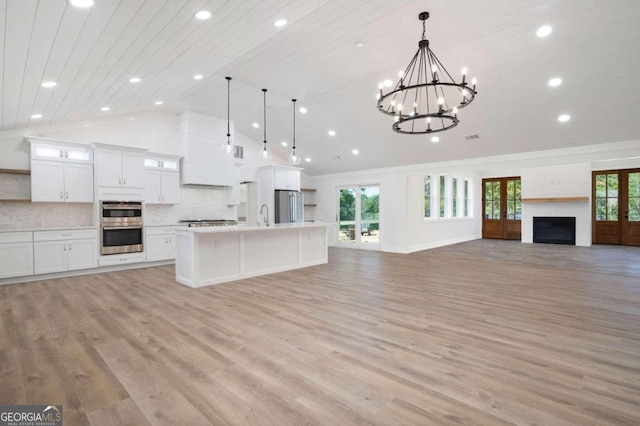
(15, 171)
(308, 189)
(310, 205)
(555, 200)
(14, 200)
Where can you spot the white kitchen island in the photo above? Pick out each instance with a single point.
(214, 255)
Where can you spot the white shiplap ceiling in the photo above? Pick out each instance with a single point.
(92, 54)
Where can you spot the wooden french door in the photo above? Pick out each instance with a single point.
(501, 208)
(616, 207)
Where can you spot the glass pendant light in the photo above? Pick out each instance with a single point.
(228, 147)
(264, 152)
(294, 159)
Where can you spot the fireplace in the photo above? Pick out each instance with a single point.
(554, 230)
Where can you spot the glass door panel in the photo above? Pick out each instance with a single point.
(634, 197)
(370, 214)
(347, 216)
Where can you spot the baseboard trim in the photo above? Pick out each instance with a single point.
(437, 244)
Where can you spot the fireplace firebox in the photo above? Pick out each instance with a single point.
(554, 230)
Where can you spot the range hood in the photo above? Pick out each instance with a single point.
(204, 161)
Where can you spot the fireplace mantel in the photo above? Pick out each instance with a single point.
(555, 200)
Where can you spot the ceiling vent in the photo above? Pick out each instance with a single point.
(471, 137)
(238, 152)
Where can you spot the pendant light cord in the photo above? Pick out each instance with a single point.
(228, 107)
(265, 114)
(294, 124)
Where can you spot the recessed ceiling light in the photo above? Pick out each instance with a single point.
(256, 125)
(198, 77)
(280, 23)
(36, 116)
(203, 15)
(435, 139)
(135, 80)
(555, 82)
(387, 83)
(332, 132)
(307, 159)
(303, 110)
(359, 44)
(49, 84)
(81, 3)
(355, 152)
(159, 102)
(543, 31)
(106, 108)
(283, 143)
(564, 118)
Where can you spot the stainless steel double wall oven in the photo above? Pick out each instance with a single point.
(120, 227)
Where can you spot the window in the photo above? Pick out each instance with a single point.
(443, 197)
(467, 198)
(454, 197)
(607, 197)
(427, 197)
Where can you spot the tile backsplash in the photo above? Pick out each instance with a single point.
(195, 203)
(44, 215)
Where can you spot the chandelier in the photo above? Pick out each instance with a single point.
(426, 99)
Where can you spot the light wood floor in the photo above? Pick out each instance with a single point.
(486, 332)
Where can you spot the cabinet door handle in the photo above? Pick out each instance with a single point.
(60, 153)
(67, 235)
(124, 181)
(65, 248)
(61, 196)
(66, 154)
(67, 193)
(69, 247)
(119, 181)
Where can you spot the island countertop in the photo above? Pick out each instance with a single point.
(251, 228)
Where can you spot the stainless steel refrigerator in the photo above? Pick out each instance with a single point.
(289, 207)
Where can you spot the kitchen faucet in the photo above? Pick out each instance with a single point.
(264, 206)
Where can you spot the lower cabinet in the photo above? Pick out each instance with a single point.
(160, 243)
(16, 254)
(58, 251)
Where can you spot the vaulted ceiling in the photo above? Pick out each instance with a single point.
(92, 53)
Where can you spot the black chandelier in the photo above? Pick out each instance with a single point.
(426, 99)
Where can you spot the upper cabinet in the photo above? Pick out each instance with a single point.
(61, 171)
(287, 179)
(162, 179)
(119, 172)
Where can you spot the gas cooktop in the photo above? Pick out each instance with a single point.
(209, 222)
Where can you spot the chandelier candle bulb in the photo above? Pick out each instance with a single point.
(464, 75)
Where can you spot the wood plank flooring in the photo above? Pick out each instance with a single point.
(485, 332)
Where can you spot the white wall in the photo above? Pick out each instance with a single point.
(551, 173)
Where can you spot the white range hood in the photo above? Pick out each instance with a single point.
(205, 162)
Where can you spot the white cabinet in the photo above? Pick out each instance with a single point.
(16, 254)
(61, 182)
(161, 180)
(119, 169)
(61, 172)
(287, 179)
(58, 251)
(119, 172)
(160, 243)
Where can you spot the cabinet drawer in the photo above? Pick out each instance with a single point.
(72, 234)
(160, 230)
(16, 237)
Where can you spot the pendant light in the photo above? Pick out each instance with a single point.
(265, 153)
(294, 159)
(228, 147)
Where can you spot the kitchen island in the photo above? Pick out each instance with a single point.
(214, 255)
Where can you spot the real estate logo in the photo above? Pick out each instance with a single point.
(30, 415)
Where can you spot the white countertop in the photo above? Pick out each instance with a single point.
(58, 228)
(251, 228)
